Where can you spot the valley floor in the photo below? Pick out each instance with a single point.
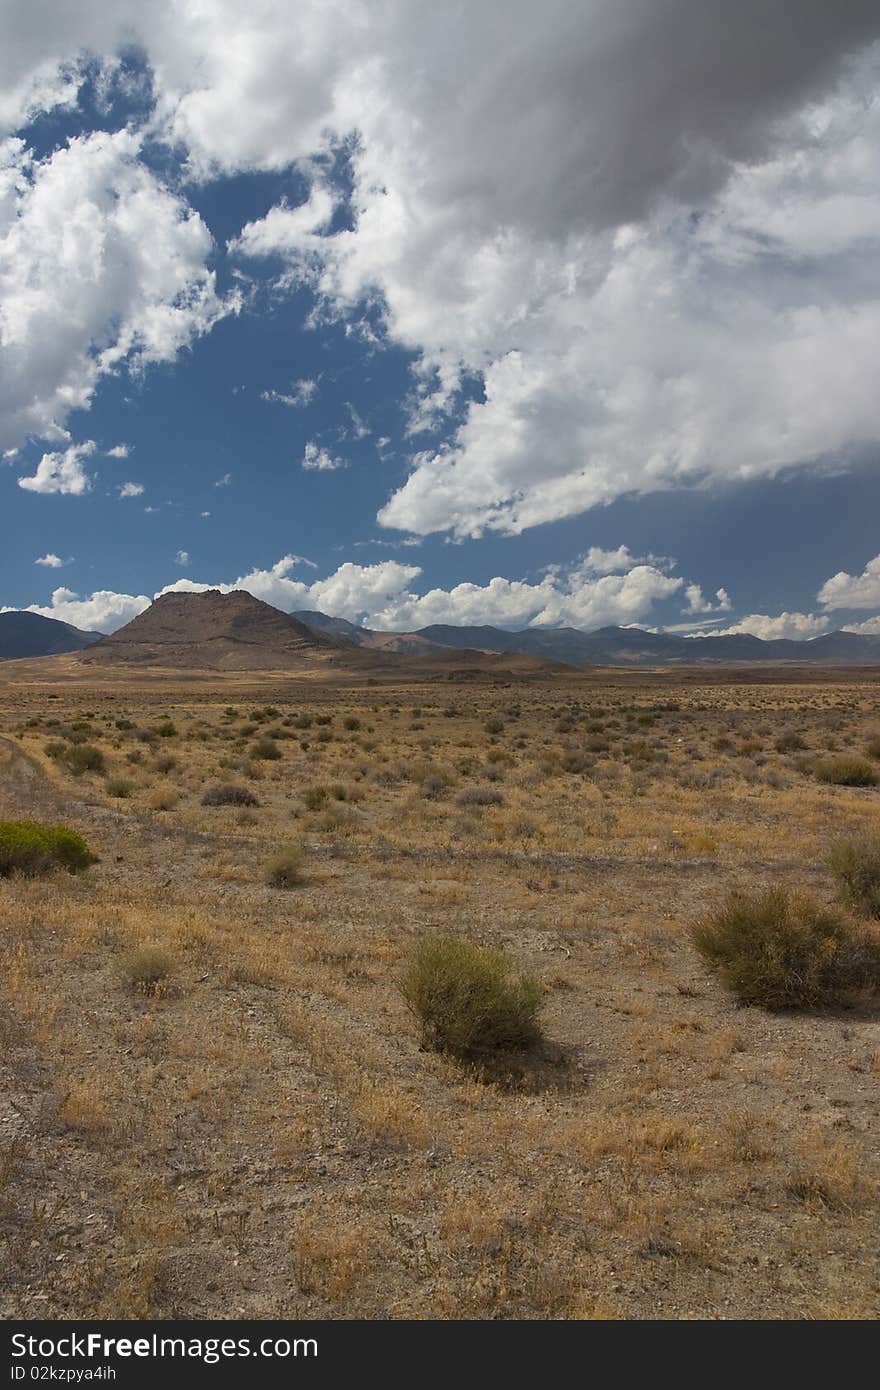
(265, 1138)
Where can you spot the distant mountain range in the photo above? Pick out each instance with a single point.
(612, 646)
(236, 631)
(29, 634)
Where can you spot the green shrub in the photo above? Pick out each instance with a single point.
(855, 864)
(119, 787)
(494, 726)
(468, 999)
(166, 729)
(26, 847)
(781, 950)
(229, 794)
(847, 771)
(83, 757)
(285, 869)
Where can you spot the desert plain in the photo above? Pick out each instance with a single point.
(252, 1127)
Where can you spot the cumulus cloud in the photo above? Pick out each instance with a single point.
(318, 458)
(50, 561)
(384, 596)
(794, 625)
(100, 267)
(62, 472)
(651, 229)
(131, 490)
(119, 451)
(844, 590)
(697, 603)
(102, 611)
(182, 558)
(870, 627)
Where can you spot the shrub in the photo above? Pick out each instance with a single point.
(314, 797)
(166, 729)
(266, 749)
(26, 847)
(468, 999)
(229, 795)
(847, 771)
(872, 747)
(781, 950)
(351, 723)
(790, 743)
(83, 757)
(166, 763)
(285, 869)
(855, 864)
(494, 726)
(146, 968)
(479, 796)
(118, 786)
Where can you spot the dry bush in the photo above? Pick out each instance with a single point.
(119, 787)
(285, 868)
(855, 864)
(29, 848)
(229, 794)
(147, 968)
(782, 950)
(847, 771)
(479, 796)
(468, 999)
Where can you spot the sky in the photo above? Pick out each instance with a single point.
(557, 315)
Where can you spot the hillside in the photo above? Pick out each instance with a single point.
(25, 634)
(233, 631)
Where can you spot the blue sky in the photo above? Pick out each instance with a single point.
(353, 325)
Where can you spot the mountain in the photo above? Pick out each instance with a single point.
(233, 631)
(30, 634)
(633, 646)
(402, 643)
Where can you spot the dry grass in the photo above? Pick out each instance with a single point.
(255, 1129)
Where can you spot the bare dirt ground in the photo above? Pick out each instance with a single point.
(265, 1138)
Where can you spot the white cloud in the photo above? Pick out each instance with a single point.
(102, 611)
(62, 472)
(385, 596)
(52, 562)
(794, 625)
(119, 451)
(182, 558)
(870, 627)
(300, 394)
(317, 458)
(523, 188)
(844, 590)
(382, 596)
(697, 603)
(203, 515)
(224, 481)
(131, 490)
(101, 267)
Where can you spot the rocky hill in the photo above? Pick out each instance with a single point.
(233, 631)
